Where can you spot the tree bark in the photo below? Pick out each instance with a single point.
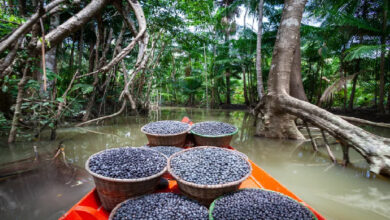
(7, 61)
(260, 87)
(277, 123)
(124, 11)
(375, 149)
(18, 105)
(296, 84)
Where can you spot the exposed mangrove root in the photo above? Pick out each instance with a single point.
(105, 117)
(315, 148)
(360, 121)
(330, 153)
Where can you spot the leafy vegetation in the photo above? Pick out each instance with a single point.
(200, 53)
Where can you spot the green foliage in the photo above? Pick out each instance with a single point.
(363, 52)
(199, 48)
(8, 22)
(84, 88)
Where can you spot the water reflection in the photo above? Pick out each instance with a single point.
(335, 191)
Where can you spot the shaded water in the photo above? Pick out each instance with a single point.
(336, 192)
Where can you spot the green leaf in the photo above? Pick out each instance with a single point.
(34, 106)
(60, 99)
(85, 88)
(362, 51)
(33, 84)
(4, 88)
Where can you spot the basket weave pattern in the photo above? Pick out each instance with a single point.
(112, 191)
(205, 194)
(213, 141)
(177, 140)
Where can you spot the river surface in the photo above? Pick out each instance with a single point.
(335, 191)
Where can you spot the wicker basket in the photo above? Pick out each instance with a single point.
(212, 206)
(177, 140)
(112, 191)
(111, 216)
(209, 140)
(112, 213)
(205, 194)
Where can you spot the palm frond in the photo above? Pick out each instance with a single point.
(362, 51)
(335, 87)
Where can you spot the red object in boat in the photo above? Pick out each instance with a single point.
(90, 208)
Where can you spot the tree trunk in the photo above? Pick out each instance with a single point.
(99, 42)
(18, 105)
(319, 91)
(22, 7)
(245, 89)
(206, 75)
(296, 84)
(279, 104)
(382, 64)
(140, 65)
(251, 88)
(352, 97)
(227, 74)
(260, 87)
(357, 70)
(343, 74)
(277, 123)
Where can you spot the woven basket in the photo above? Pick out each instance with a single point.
(205, 194)
(112, 191)
(209, 140)
(212, 206)
(177, 140)
(111, 216)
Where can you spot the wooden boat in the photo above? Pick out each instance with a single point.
(90, 208)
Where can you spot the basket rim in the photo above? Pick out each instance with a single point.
(134, 180)
(117, 206)
(212, 205)
(202, 186)
(165, 135)
(213, 136)
(112, 213)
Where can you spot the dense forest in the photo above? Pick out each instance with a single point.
(86, 61)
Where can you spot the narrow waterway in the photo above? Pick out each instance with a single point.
(334, 191)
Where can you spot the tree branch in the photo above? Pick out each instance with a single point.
(360, 121)
(74, 23)
(24, 28)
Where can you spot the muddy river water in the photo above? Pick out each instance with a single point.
(335, 191)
